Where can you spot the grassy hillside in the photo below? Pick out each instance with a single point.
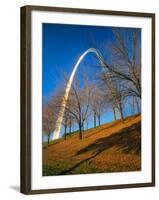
(112, 147)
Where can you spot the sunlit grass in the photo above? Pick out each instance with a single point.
(113, 147)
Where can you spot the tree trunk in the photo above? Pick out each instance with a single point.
(94, 119)
(80, 130)
(83, 130)
(65, 131)
(70, 129)
(48, 139)
(99, 120)
(114, 113)
(82, 126)
(121, 112)
(87, 125)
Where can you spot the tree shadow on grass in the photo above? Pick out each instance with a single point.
(112, 124)
(127, 139)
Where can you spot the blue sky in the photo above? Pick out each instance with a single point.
(63, 45)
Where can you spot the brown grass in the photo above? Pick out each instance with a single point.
(112, 147)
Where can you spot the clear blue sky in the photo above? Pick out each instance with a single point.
(62, 46)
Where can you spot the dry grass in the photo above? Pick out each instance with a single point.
(113, 147)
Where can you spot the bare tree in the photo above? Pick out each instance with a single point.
(93, 104)
(125, 64)
(68, 122)
(65, 122)
(98, 103)
(135, 105)
(48, 121)
(114, 93)
(78, 104)
(122, 57)
(71, 122)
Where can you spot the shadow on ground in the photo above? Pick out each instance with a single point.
(127, 139)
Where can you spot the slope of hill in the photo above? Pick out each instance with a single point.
(112, 147)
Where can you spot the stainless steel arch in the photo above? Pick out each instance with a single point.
(56, 133)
